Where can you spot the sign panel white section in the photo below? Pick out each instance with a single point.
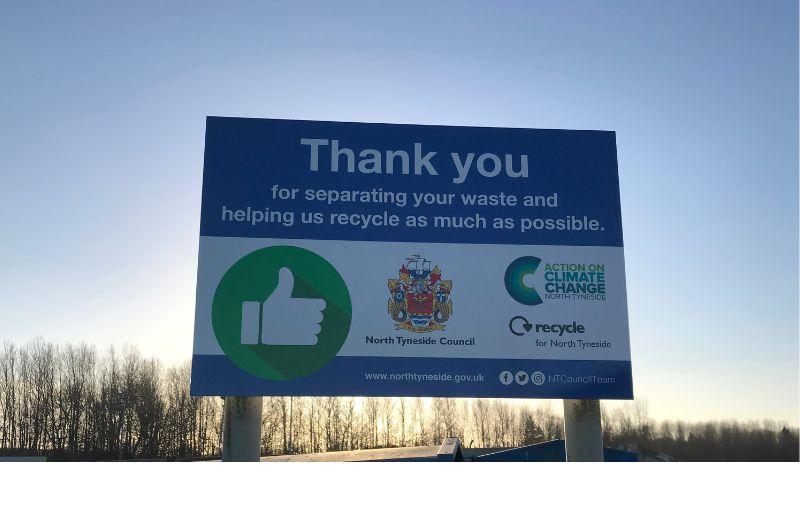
(486, 322)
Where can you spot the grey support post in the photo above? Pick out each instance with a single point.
(583, 433)
(241, 434)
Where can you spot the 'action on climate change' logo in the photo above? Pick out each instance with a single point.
(562, 281)
(515, 277)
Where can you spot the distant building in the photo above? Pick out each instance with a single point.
(552, 451)
(451, 450)
(646, 454)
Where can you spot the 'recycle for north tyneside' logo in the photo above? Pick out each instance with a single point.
(556, 281)
(281, 312)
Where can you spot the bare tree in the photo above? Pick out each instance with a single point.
(402, 413)
(481, 418)
(386, 407)
(372, 409)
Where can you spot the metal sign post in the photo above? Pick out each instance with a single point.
(583, 432)
(241, 434)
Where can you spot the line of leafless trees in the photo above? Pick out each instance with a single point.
(70, 402)
(707, 441)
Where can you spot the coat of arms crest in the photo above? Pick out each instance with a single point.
(419, 298)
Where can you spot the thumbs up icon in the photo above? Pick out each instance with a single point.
(282, 320)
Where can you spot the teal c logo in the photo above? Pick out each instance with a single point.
(516, 274)
(281, 312)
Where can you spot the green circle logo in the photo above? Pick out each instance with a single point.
(515, 280)
(281, 312)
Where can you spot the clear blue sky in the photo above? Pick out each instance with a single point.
(102, 109)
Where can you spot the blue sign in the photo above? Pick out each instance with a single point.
(409, 260)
